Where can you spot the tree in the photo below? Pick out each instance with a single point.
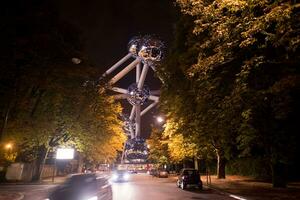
(158, 148)
(49, 102)
(232, 79)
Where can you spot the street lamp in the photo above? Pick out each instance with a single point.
(159, 119)
(8, 146)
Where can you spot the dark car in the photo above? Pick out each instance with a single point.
(152, 172)
(82, 187)
(120, 176)
(189, 177)
(132, 171)
(161, 173)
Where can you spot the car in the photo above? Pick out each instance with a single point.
(132, 171)
(189, 177)
(120, 175)
(162, 174)
(152, 172)
(82, 187)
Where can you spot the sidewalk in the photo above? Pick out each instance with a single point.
(251, 189)
(11, 196)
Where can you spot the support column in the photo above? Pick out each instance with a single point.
(138, 72)
(143, 76)
(125, 71)
(138, 121)
(115, 66)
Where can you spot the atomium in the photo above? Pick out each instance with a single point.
(129, 126)
(148, 48)
(137, 96)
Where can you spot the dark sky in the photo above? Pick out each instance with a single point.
(108, 25)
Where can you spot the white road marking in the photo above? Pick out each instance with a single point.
(237, 197)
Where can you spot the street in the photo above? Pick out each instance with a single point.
(139, 187)
(145, 187)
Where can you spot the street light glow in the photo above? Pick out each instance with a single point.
(160, 119)
(8, 146)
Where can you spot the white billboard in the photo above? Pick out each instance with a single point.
(64, 153)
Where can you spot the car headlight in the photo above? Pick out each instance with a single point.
(115, 176)
(126, 176)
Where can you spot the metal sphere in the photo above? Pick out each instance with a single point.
(148, 48)
(134, 45)
(137, 96)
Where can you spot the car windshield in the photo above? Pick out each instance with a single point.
(120, 171)
(190, 172)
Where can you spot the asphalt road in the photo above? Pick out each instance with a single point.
(139, 187)
(145, 187)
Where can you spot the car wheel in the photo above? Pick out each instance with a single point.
(177, 183)
(182, 185)
(200, 187)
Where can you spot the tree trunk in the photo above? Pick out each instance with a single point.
(80, 163)
(4, 123)
(221, 164)
(44, 158)
(38, 163)
(278, 175)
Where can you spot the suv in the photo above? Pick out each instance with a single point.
(189, 177)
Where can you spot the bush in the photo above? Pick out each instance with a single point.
(254, 167)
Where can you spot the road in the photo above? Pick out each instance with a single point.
(139, 187)
(145, 187)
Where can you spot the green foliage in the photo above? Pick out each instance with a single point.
(231, 81)
(45, 101)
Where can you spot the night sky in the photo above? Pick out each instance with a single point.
(107, 26)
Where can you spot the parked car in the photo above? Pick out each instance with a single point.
(162, 173)
(132, 171)
(82, 187)
(189, 177)
(152, 172)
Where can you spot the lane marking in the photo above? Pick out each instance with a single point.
(237, 197)
(21, 196)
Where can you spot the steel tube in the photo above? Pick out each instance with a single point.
(143, 76)
(149, 108)
(124, 71)
(115, 66)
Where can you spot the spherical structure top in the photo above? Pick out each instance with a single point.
(137, 96)
(134, 45)
(148, 48)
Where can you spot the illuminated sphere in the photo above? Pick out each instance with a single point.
(137, 96)
(148, 48)
(134, 45)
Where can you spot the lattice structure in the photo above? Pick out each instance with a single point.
(147, 52)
